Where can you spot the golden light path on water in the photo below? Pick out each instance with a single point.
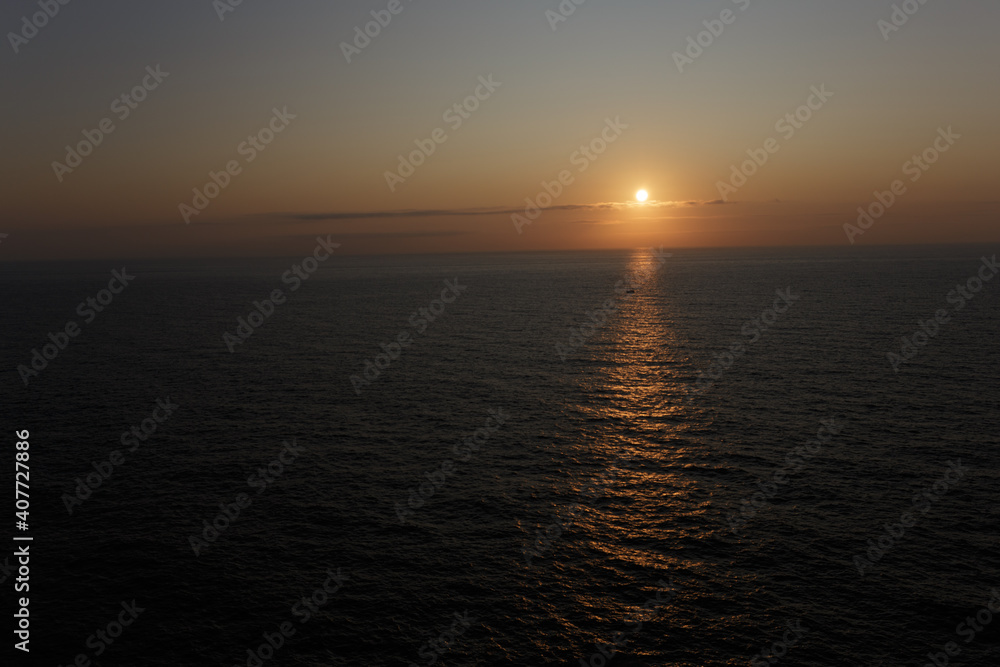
(646, 510)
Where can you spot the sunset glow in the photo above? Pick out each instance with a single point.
(401, 131)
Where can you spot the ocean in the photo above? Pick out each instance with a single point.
(647, 457)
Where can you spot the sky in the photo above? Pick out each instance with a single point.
(608, 97)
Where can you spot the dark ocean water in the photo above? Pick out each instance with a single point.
(617, 475)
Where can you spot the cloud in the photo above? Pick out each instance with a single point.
(469, 212)
(400, 235)
(410, 213)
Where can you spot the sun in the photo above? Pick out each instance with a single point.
(641, 195)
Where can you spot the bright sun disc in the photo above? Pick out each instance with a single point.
(642, 195)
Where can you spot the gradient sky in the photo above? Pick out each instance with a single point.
(325, 173)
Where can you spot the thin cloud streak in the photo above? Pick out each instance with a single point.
(470, 212)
